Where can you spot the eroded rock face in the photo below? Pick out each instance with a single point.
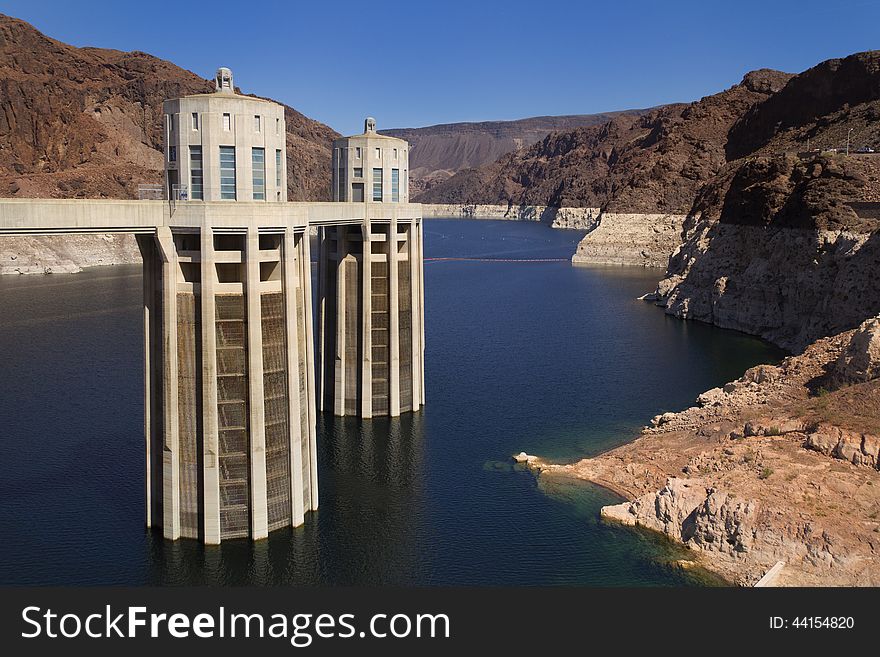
(852, 446)
(790, 286)
(576, 218)
(645, 240)
(703, 519)
(64, 254)
(723, 523)
(861, 359)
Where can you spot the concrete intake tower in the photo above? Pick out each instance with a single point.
(231, 387)
(370, 286)
(232, 379)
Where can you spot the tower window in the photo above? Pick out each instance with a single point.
(358, 172)
(395, 185)
(278, 168)
(395, 153)
(172, 153)
(357, 152)
(195, 120)
(227, 121)
(227, 173)
(277, 126)
(257, 123)
(258, 160)
(195, 173)
(378, 153)
(377, 184)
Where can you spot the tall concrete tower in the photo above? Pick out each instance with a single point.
(370, 287)
(230, 417)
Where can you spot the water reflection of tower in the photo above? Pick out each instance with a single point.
(374, 477)
(372, 480)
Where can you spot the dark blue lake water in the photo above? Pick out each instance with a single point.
(545, 357)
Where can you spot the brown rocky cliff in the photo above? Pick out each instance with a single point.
(440, 151)
(87, 122)
(781, 247)
(654, 163)
(817, 108)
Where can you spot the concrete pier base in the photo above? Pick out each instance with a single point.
(370, 318)
(229, 411)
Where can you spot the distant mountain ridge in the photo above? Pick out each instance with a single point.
(653, 162)
(659, 161)
(438, 152)
(87, 122)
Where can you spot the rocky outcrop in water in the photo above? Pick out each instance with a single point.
(701, 518)
(779, 465)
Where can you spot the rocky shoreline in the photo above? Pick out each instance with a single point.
(780, 465)
(635, 239)
(613, 238)
(65, 254)
(576, 218)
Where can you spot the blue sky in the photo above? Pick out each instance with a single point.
(420, 63)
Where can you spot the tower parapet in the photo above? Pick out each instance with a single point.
(370, 168)
(224, 146)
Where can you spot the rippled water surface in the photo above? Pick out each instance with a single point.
(544, 357)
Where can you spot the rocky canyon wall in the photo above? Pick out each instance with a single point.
(783, 247)
(576, 218)
(644, 240)
(788, 285)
